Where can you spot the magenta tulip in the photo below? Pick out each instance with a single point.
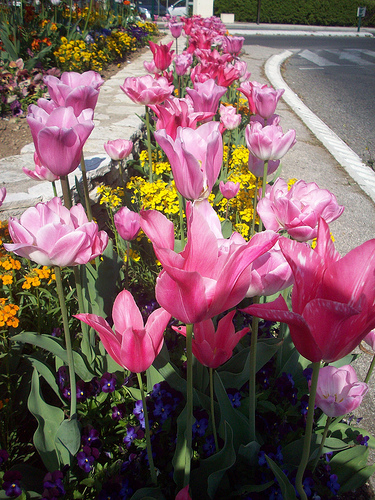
(59, 137)
(297, 210)
(338, 391)
(40, 173)
(268, 143)
(206, 96)
(332, 298)
(163, 55)
(211, 274)
(265, 100)
(212, 348)
(229, 117)
(195, 156)
(118, 149)
(229, 189)
(132, 345)
(51, 235)
(146, 89)
(127, 223)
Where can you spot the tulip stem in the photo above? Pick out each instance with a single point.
(189, 402)
(85, 330)
(86, 188)
(66, 191)
(214, 432)
(54, 188)
(252, 373)
(147, 428)
(181, 213)
(229, 150)
(308, 432)
(255, 199)
(149, 143)
(325, 432)
(264, 185)
(127, 265)
(68, 342)
(370, 370)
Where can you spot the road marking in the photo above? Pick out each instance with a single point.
(314, 58)
(347, 56)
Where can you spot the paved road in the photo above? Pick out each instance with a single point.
(335, 78)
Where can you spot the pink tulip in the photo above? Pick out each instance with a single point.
(256, 166)
(268, 143)
(3, 193)
(59, 137)
(88, 79)
(162, 55)
(206, 96)
(265, 100)
(247, 88)
(118, 149)
(212, 348)
(298, 209)
(150, 67)
(226, 75)
(176, 29)
(338, 391)
(195, 156)
(51, 235)
(228, 117)
(146, 89)
(183, 494)
(211, 274)
(232, 44)
(229, 189)
(332, 298)
(182, 63)
(132, 345)
(270, 273)
(127, 223)
(370, 339)
(40, 173)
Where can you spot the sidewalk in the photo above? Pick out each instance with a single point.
(115, 118)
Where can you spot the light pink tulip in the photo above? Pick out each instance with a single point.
(40, 173)
(297, 210)
(268, 143)
(132, 345)
(211, 274)
(176, 29)
(265, 100)
(3, 193)
(118, 149)
(256, 166)
(332, 297)
(146, 89)
(370, 339)
(127, 223)
(163, 55)
(213, 348)
(51, 235)
(247, 88)
(270, 273)
(338, 391)
(195, 156)
(228, 117)
(59, 137)
(229, 189)
(150, 67)
(182, 63)
(206, 96)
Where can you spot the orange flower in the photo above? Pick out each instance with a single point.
(35, 44)
(126, 2)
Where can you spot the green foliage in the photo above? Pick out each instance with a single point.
(314, 12)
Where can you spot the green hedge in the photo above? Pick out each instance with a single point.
(314, 12)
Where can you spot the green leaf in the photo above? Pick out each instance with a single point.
(168, 372)
(49, 419)
(68, 439)
(178, 460)
(347, 463)
(249, 453)
(47, 373)
(358, 479)
(287, 489)
(226, 228)
(148, 494)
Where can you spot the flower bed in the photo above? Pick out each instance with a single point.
(200, 346)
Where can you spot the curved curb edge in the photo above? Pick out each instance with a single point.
(343, 154)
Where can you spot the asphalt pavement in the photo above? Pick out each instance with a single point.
(318, 156)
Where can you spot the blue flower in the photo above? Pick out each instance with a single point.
(86, 458)
(362, 440)
(130, 436)
(235, 398)
(200, 426)
(53, 484)
(90, 437)
(138, 412)
(209, 446)
(4, 455)
(11, 483)
(333, 484)
(108, 382)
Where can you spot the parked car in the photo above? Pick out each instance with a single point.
(178, 9)
(145, 8)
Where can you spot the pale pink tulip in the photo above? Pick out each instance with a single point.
(213, 348)
(150, 67)
(270, 273)
(132, 345)
(51, 235)
(297, 210)
(206, 96)
(40, 173)
(182, 63)
(370, 339)
(146, 89)
(268, 143)
(195, 156)
(338, 391)
(211, 274)
(59, 137)
(3, 193)
(228, 117)
(229, 189)
(118, 149)
(332, 298)
(127, 223)
(265, 100)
